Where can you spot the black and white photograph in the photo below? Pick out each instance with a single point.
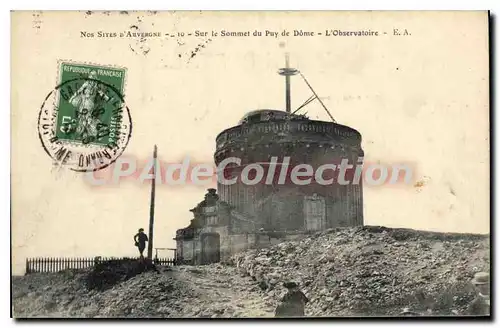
(250, 164)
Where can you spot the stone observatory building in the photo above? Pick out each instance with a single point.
(280, 177)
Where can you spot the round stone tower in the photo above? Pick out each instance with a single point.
(322, 202)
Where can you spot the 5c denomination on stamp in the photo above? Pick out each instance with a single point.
(84, 123)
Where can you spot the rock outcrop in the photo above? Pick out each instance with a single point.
(373, 270)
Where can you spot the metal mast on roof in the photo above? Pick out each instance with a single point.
(287, 72)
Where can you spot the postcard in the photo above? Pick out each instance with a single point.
(250, 164)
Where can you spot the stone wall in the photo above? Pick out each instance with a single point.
(280, 206)
(188, 247)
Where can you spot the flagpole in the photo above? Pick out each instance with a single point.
(288, 98)
(152, 208)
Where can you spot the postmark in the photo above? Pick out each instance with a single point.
(84, 123)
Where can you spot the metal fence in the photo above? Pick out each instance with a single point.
(50, 264)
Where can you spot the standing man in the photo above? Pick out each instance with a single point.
(481, 304)
(293, 303)
(140, 240)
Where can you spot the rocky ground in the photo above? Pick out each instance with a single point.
(374, 270)
(344, 272)
(208, 292)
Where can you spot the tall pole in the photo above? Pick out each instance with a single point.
(287, 72)
(287, 82)
(152, 208)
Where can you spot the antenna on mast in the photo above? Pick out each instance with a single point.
(317, 97)
(287, 72)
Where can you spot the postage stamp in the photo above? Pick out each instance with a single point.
(84, 123)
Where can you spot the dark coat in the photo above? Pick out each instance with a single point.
(140, 240)
(292, 305)
(479, 307)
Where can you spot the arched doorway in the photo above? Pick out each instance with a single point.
(210, 248)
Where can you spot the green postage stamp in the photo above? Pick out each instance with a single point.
(84, 122)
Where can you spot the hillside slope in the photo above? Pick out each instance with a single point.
(344, 272)
(374, 270)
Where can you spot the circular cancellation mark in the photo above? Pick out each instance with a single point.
(84, 124)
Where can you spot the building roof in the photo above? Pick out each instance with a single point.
(262, 115)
